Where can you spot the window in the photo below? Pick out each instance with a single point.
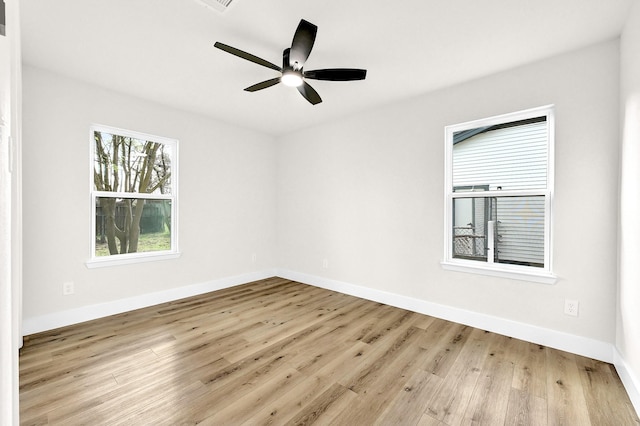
(3, 19)
(499, 184)
(133, 196)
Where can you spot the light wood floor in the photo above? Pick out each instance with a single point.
(280, 352)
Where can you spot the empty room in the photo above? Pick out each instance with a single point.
(240, 212)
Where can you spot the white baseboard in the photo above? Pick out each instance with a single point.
(554, 339)
(91, 312)
(629, 380)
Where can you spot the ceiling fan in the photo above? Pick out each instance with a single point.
(293, 60)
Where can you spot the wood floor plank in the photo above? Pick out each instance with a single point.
(277, 352)
(46, 399)
(154, 412)
(380, 389)
(427, 420)
(186, 367)
(424, 321)
(450, 403)
(597, 379)
(79, 366)
(337, 338)
(303, 323)
(232, 381)
(303, 314)
(382, 325)
(407, 406)
(530, 366)
(525, 409)
(443, 341)
(325, 351)
(527, 400)
(566, 401)
(288, 404)
(377, 359)
(236, 411)
(325, 409)
(490, 398)
(304, 399)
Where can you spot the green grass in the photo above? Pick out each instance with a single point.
(157, 241)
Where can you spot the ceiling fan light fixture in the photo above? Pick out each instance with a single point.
(291, 78)
(293, 60)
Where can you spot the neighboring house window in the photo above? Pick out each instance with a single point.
(134, 196)
(499, 185)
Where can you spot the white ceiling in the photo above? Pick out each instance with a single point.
(162, 50)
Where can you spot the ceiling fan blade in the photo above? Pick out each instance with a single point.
(302, 43)
(337, 74)
(286, 61)
(309, 93)
(263, 85)
(247, 56)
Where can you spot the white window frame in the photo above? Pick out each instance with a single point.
(129, 258)
(528, 273)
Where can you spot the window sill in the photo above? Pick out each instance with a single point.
(128, 259)
(542, 277)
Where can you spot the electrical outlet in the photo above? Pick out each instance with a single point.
(68, 288)
(571, 307)
(325, 263)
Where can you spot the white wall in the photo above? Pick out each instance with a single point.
(226, 207)
(628, 319)
(366, 193)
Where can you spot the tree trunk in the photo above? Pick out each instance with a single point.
(109, 209)
(135, 226)
(166, 213)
